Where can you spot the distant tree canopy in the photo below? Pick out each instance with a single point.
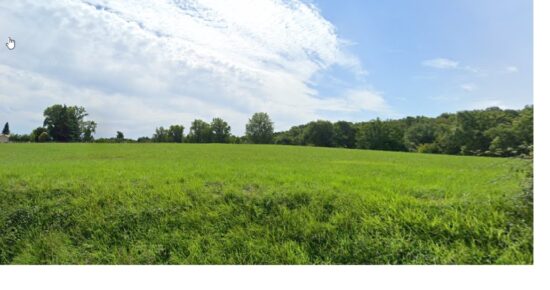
(36, 134)
(6, 130)
(259, 129)
(199, 132)
(320, 133)
(66, 124)
(174, 134)
(489, 132)
(221, 131)
(344, 134)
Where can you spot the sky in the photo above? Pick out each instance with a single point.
(137, 64)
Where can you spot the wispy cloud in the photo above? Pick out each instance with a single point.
(449, 64)
(511, 69)
(358, 100)
(174, 60)
(441, 63)
(468, 87)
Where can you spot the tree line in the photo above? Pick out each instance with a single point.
(489, 132)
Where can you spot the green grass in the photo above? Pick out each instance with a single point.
(258, 204)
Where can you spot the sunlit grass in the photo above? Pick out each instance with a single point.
(257, 204)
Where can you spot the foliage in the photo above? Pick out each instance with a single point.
(43, 137)
(88, 129)
(221, 131)
(344, 134)
(6, 130)
(378, 135)
(319, 133)
(20, 138)
(200, 132)
(259, 129)
(37, 132)
(66, 124)
(420, 133)
(175, 133)
(243, 204)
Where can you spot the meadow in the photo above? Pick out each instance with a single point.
(258, 204)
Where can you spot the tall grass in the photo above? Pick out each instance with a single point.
(258, 204)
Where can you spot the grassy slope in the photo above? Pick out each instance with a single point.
(185, 203)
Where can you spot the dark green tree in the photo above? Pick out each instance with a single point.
(420, 133)
(259, 129)
(6, 130)
(175, 133)
(344, 134)
(64, 124)
(36, 133)
(119, 136)
(88, 129)
(319, 133)
(221, 131)
(199, 132)
(379, 135)
(161, 135)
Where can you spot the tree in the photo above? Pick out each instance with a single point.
(378, 135)
(259, 129)
(344, 134)
(161, 135)
(119, 136)
(200, 132)
(20, 138)
(221, 131)
(6, 130)
(43, 137)
(36, 133)
(320, 133)
(420, 133)
(175, 133)
(88, 129)
(64, 124)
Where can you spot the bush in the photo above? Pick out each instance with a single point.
(43, 137)
(428, 148)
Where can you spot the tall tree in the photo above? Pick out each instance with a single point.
(344, 134)
(88, 129)
(119, 136)
(379, 135)
(259, 129)
(420, 133)
(6, 130)
(64, 124)
(199, 132)
(221, 131)
(161, 135)
(175, 133)
(320, 133)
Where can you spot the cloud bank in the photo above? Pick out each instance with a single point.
(139, 64)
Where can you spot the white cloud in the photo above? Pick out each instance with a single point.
(469, 87)
(356, 101)
(140, 64)
(511, 69)
(441, 63)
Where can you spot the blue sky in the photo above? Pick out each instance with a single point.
(491, 40)
(137, 64)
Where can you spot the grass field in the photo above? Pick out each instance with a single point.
(258, 204)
